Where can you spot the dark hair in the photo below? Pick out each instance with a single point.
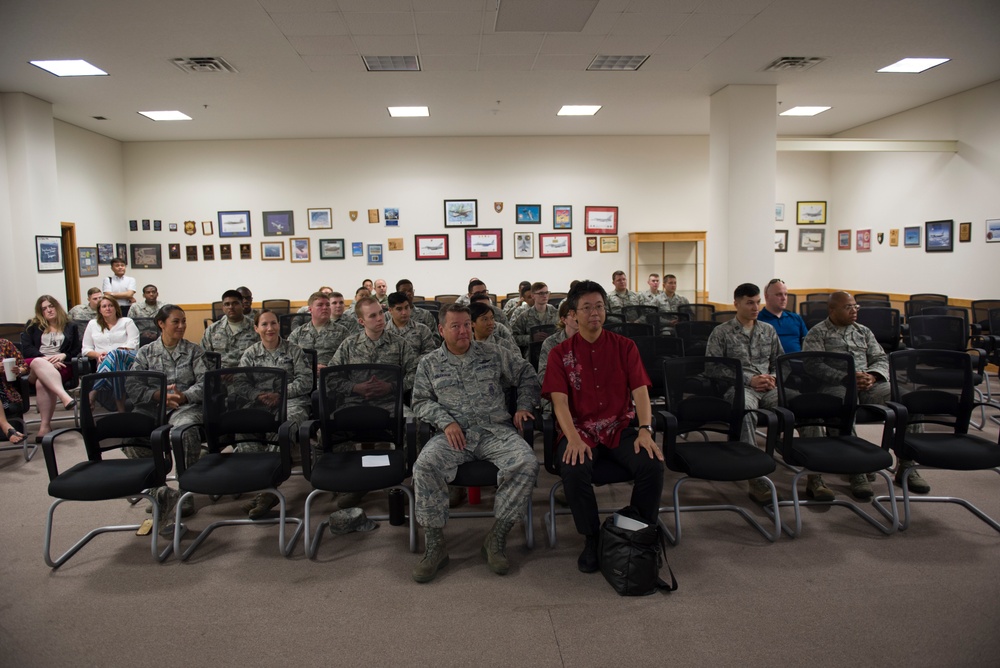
(474, 283)
(535, 287)
(149, 286)
(668, 276)
(745, 290)
(403, 281)
(396, 298)
(563, 312)
(361, 302)
(451, 308)
(93, 291)
(522, 286)
(585, 288)
(478, 310)
(164, 313)
(481, 297)
(336, 294)
(260, 313)
(118, 260)
(616, 274)
(232, 293)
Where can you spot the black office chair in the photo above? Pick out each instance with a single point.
(884, 323)
(872, 296)
(630, 329)
(817, 297)
(216, 314)
(535, 347)
(289, 322)
(446, 299)
(819, 390)
(813, 312)
(243, 405)
(653, 350)
(948, 404)
(345, 419)
(930, 297)
(981, 314)
(277, 306)
(697, 312)
(973, 328)
(790, 305)
(723, 316)
(916, 306)
(720, 410)
(101, 479)
(649, 315)
(695, 335)
(873, 303)
(148, 330)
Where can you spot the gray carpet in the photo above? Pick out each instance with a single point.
(841, 594)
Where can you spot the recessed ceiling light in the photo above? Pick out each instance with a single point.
(579, 110)
(408, 112)
(804, 111)
(69, 68)
(914, 65)
(165, 115)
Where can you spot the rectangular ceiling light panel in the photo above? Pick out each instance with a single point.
(69, 68)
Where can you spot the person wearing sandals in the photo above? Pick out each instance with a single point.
(50, 343)
(9, 395)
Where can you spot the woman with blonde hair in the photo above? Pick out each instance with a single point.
(49, 344)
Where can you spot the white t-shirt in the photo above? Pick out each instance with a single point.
(123, 335)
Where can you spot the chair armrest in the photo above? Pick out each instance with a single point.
(286, 436)
(307, 430)
(549, 445)
(49, 451)
(158, 442)
(885, 415)
(902, 421)
(177, 446)
(772, 427)
(979, 359)
(669, 423)
(786, 425)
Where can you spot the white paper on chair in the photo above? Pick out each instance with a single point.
(372, 461)
(628, 523)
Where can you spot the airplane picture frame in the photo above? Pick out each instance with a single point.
(461, 213)
(600, 220)
(810, 213)
(939, 236)
(430, 246)
(555, 245)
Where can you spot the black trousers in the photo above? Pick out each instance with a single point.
(578, 479)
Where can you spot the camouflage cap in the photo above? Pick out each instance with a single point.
(349, 520)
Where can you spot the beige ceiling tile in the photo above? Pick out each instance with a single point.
(449, 63)
(505, 63)
(272, 6)
(631, 44)
(384, 23)
(565, 43)
(449, 23)
(447, 45)
(512, 43)
(334, 63)
(679, 62)
(374, 5)
(575, 63)
(732, 6)
(696, 45)
(649, 23)
(452, 5)
(600, 24)
(322, 45)
(385, 45)
(616, 6)
(489, 22)
(310, 23)
(714, 24)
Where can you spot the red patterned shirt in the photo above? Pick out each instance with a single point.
(598, 378)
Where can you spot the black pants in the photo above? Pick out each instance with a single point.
(577, 479)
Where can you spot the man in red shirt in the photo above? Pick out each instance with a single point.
(592, 379)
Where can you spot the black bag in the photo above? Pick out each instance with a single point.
(631, 560)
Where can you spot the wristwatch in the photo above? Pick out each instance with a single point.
(648, 427)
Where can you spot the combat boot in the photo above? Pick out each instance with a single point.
(495, 547)
(435, 556)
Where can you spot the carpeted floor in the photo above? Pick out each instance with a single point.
(841, 594)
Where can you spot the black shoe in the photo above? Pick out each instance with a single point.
(587, 563)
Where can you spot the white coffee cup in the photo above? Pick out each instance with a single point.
(8, 368)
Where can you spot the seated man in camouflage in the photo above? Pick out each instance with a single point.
(87, 311)
(231, 334)
(149, 305)
(622, 296)
(401, 322)
(541, 313)
(841, 333)
(423, 316)
(320, 333)
(460, 389)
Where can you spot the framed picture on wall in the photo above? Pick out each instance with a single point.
(87, 261)
(609, 244)
(781, 241)
(600, 220)
(431, 246)
(964, 232)
(146, 256)
(299, 249)
(192, 253)
(911, 237)
(208, 252)
(374, 252)
(225, 251)
(811, 241)
(331, 249)
(939, 236)
(562, 217)
(993, 230)
(278, 223)
(591, 243)
(272, 250)
(863, 242)
(319, 219)
(844, 240)
(206, 228)
(524, 245)
(810, 213)
(174, 251)
(894, 237)
(121, 250)
(529, 213)
(391, 217)
(461, 213)
(483, 245)
(233, 223)
(779, 212)
(105, 253)
(246, 252)
(555, 245)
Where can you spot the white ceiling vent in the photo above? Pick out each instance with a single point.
(793, 64)
(603, 63)
(392, 63)
(206, 64)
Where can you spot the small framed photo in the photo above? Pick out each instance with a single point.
(461, 213)
(863, 241)
(965, 232)
(234, 223)
(483, 245)
(562, 217)
(357, 249)
(524, 245)
(811, 241)
(208, 252)
(192, 253)
(121, 251)
(939, 236)
(145, 224)
(391, 217)
(992, 230)
(430, 246)
(779, 212)
(373, 216)
(894, 237)
(319, 219)
(246, 252)
(174, 251)
(600, 220)
(591, 243)
(299, 249)
(225, 251)
(781, 241)
(146, 256)
(609, 244)
(911, 237)
(105, 253)
(206, 228)
(157, 225)
(395, 243)
(810, 213)
(331, 249)
(87, 261)
(375, 251)
(272, 250)
(529, 213)
(172, 227)
(133, 226)
(555, 245)
(278, 223)
(844, 240)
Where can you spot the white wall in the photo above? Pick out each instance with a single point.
(805, 177)
(658, 183)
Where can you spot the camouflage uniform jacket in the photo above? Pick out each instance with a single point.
(662, 301)
(502, 340)
(82, 312)
(289, 357)
(470, 389)
(617, 301)
(756, 351)
(390, 348)
(219, 339)
(532, 318)
(855, 340)
(184, 367)
(324, 340)
(416, 334)
(143, 310)
(543, 357)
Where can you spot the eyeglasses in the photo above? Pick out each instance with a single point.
(852, 307)
(773, 281)
(597, 308)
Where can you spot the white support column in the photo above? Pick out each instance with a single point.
(742, 172)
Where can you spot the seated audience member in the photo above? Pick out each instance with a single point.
(324, 289)
(541, 313)
(503, 327)
(673, 300)
(337, 306)
(274, 352)
(183, 363)
(484, 327)
(460, 390)
(654, 296)
(402, 323)
(320, 333)
(49, 345)
(119, 286)
(842, 333)
(593, 379)
(368, 285)
(87, 311)
(755, 344)
(231, 334)
(149, 306)
(422, 316)
(512, 303)
(790, 326)
(566, 328)
(247, 297)
(112, 341)
(14, 437)
(382, 292)
(476, 286)
(622, 296)
(10, 396)
(526, 302)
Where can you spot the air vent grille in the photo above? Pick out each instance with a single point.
(392, 63)
(616, 63)
(204, 65)
(793, 64)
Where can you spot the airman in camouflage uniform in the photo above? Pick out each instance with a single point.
(460, 390)
(389, 348)
(87, 311)
(289, 357)
(622, 296)
(542, 313)
(417, 335)
(231, 334)
(143, 309)
(320, 333)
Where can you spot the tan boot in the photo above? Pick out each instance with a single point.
(495, 546)
(435, 556)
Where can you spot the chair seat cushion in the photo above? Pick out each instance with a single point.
(715, 460)
(233, 473)
(108, 479)
(345, 472)
(841, 454)
(958, 452)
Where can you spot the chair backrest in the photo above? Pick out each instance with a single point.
(819, 388)
(813, 311)
(993, 321)
(429, 305)
(929, 297)
(216, 311)
(981, 314)
(213, 360)
(884, 323)
(873, 303)
(957, 311)
(649, 315)
(653, 350)
(872, 296)
(791, 305)
(348, 417)
(935, 386)
(723, 316)
(120, 405)
(916, 307)
(446, 299)
(630, 329)
(278, 306)
(695, 335)
(12, 331)
(701, 312)
(148, 330)
(817, 296)
(288, 322)
(940, 332)
(245, 404)
(705, 394)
